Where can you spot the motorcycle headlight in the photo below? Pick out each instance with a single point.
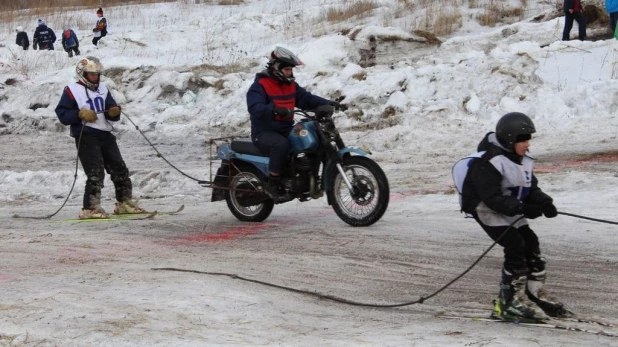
(300, 130)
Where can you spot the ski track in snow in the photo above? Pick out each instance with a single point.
(92, 283)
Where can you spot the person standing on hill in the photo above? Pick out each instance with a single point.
(611, 6)
(44, 37)
(499, 190)
(573, 12)
(89, 108)
(70, 43)
(22, 38)
(100, 29)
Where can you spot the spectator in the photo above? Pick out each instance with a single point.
(70, 43)
(100, 29)
(22, 38)
(573, 11)
(44, 37)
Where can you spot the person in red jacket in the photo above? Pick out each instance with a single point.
(271, 100)
(573, 12)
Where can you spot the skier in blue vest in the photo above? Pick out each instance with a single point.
(498, 186)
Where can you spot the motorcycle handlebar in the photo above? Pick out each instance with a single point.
(321, 111)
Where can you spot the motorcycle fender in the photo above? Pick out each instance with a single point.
(261, 163)
(221, 180)
(225, 152)
(330, 168)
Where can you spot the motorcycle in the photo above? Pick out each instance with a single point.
(318, 163)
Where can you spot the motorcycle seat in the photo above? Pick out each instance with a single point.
(246, 146)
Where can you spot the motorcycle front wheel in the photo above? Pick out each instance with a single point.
(368, 200)
(243, 198)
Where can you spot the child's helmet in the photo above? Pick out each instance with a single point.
(86, 65)
(514, 127)
(279, 59)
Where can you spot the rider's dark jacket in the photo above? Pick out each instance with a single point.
(266, 93)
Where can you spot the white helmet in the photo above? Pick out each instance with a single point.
(86, 65)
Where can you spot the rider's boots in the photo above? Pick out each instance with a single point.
(272, 189)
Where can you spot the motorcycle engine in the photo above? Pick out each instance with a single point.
(302, 162)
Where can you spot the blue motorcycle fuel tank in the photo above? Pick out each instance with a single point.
(303, 137)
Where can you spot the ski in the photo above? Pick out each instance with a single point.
(118, 218)
(572, 317)
(182, 207)
(580, 319)
(551, 324)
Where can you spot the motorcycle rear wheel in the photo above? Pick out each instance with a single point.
(247, 178)
(367, 204)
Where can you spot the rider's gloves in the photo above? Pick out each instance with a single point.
(282, 114)
(549, 210)
(338, 106)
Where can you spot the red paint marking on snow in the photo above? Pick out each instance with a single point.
(547, 168)
(580, 161)
(4, 278)
(397, 196)
(228, 234)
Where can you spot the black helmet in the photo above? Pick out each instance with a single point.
(279, 59)
(514, 127)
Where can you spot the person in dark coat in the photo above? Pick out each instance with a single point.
(271, 100)
(498, 187)
(70, 43)
(22, 38)
(100, 28)
(573, 11)
(44, 37)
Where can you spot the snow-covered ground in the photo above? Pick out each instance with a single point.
(181, 73)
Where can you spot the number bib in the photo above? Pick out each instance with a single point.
(93, 100)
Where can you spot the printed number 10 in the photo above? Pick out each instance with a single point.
(98, 105)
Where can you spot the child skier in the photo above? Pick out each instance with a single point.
(70, 43)
(89, 108)
(497, 186)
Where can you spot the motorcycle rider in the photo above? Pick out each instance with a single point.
(271, 100)
(497, 187)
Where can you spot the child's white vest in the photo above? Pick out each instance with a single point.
(92, 100)
(516, 182)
